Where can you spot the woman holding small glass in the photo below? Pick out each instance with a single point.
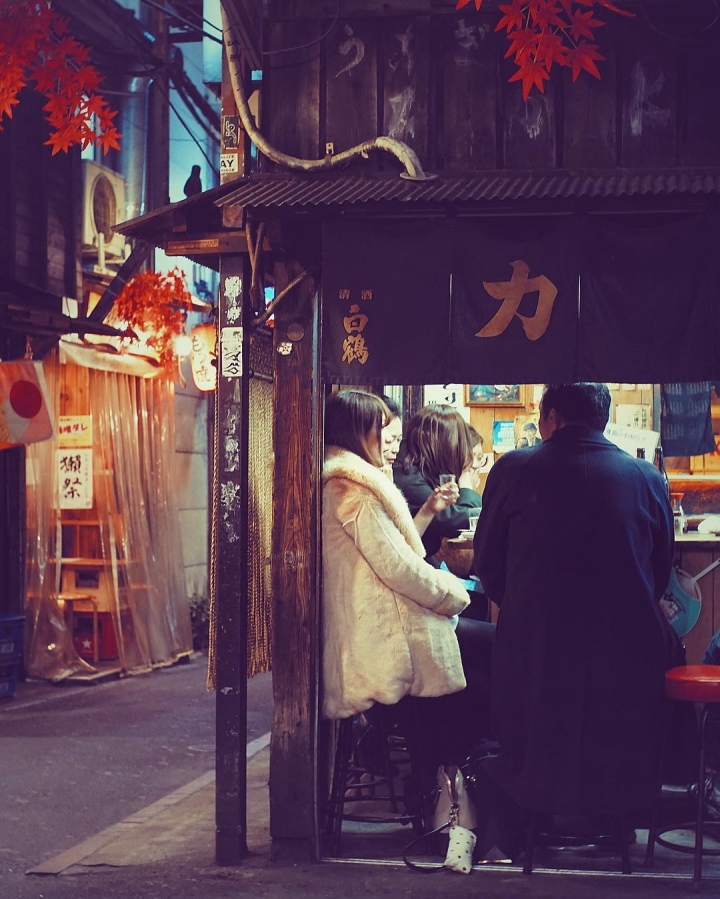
(437, 452)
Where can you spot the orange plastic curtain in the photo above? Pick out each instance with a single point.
(135, 523)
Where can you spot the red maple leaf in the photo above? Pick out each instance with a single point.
(547, 14)
(582, 24)
(522, 42)
(551, 49)
(35, 43)
(532, 73)
(514, 16)
(583, 57)
(109, 139)
(461, 3)
(62, 140)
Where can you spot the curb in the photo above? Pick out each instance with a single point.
(82, 851)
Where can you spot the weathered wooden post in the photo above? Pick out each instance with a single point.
(229, 561)
(295, 566)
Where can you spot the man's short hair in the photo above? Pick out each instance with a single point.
(584, 402)
(529, 426)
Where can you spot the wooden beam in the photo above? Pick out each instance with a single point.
(295, 569)
(229, 558)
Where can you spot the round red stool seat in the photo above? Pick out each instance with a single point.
(693, 683)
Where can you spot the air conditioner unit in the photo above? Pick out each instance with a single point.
(103, 207)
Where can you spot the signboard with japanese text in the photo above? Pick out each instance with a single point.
(385, 292)
(521, 299)
(75, 478)
(74, 430)
(514, 301)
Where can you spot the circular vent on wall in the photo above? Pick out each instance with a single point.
(104, 207)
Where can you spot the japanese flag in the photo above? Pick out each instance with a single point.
(24, 407)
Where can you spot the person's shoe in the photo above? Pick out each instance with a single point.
(495, 856)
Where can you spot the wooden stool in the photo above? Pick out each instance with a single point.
(351, 777)
(690, 683)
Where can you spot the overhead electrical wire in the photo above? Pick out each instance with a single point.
(178, 18)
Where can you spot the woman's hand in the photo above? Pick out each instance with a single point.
(438, 501)
(441, 498)
(467, 479)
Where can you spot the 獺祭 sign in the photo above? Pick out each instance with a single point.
(521, 300)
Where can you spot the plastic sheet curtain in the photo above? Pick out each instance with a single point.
(49, 651)
(137, 527)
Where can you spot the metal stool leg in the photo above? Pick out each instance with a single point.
(339, 782)
(700, 814)
(531, 838)
(654, 829)
(623, 844)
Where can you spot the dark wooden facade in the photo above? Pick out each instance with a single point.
(437, 80)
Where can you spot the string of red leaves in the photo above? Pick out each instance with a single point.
(35, 46)
(543, 33)
(156, 304)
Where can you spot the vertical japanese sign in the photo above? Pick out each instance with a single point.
(385, 302)
(74, 461)
(75, 478)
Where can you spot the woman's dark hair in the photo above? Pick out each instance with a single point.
(584, 402)
(354, 420)
(475, 436)
(437, 441)
(393, 407)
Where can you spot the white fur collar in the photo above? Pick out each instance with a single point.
(341, 463)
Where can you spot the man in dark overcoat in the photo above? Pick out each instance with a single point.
(575, 545)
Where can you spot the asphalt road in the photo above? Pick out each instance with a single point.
(74, 760)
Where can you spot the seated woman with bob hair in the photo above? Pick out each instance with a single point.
(437, 441)
(388, 616)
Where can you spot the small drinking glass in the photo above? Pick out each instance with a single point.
(445, 481)
(473, 518)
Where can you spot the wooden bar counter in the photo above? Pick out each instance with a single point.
(693, 552)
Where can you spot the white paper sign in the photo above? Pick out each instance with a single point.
(231, 345)
(448, 394)
(630, 439)
(74, 430)
(75, 478)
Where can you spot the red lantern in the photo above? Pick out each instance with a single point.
(203, 356)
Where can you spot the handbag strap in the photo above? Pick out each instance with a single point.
(425, 868)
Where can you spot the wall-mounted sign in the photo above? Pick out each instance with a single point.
(230, 132)
(229, 163)
(75, 478)
(74, 430)
(231, 345)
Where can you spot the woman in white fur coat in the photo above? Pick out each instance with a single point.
(388, 616)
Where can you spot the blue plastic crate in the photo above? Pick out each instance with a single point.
(11, 638)
(8, 678)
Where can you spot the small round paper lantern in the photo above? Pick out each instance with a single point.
(203, 356)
